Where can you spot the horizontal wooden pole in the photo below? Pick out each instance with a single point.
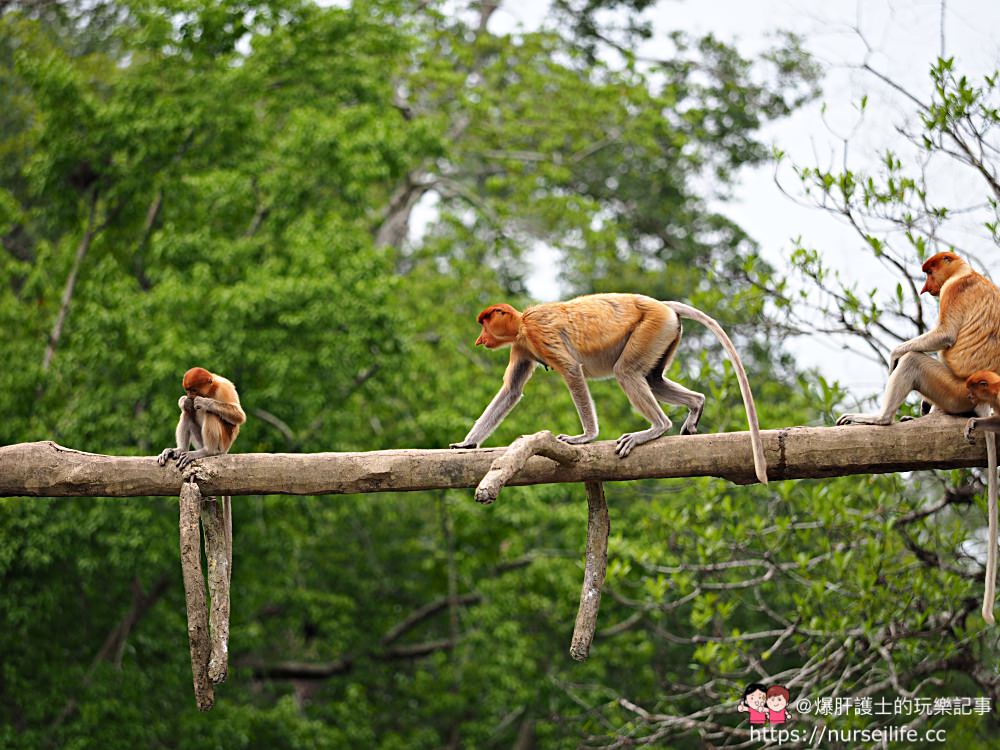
(45, 469)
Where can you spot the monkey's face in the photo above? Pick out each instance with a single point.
(196, 381)
(983, 387)
(939, 269)
(197, 387)
(500, 326)
(978, 393)
(493, 336)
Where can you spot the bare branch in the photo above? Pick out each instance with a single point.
(67, 295)
(194, 594)
(595, 568)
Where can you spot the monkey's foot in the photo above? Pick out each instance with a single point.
(875, 419)
(690, 426)
(462, 445)
(629, 440)
(576, 439)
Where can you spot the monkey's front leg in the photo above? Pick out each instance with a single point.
(518, 373)
(186, 457)
(231, 413)
(187, 432)
(987, 424)
(576, 381)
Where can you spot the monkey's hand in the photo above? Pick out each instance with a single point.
(875, 419)
(187, 405)
(464, 444)
(970, 427)
(166, 455)
(894, 356)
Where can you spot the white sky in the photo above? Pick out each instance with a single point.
(906, 38)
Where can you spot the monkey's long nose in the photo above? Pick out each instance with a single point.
(481, 341)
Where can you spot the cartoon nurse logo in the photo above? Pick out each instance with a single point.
(766, 705)
(777, 702)
(754, 701)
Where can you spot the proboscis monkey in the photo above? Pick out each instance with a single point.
(967, 334)
(984, 392)
(630, 336)
(211, 416)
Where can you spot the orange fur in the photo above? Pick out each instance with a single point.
(984, 388)
(196, 379)
(218, 432)
(588, 326)
(970, 308)
(628, 336)
(210, 419)
(968, 336)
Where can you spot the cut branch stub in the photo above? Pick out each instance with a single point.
(512, 460)
(194, 594)
(595, 568)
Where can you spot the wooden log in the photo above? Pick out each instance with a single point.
(45, 469)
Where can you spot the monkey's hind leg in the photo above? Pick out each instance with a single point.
(916, 372)
(670, 392)
(650, 345)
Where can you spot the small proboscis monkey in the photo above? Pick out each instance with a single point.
(965, 334)
(984, 392)
(630, 336)
(211, 416)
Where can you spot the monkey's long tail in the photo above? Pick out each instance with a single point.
(989, 594)
(693, 313)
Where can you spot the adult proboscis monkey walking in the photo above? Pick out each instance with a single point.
(629, 336)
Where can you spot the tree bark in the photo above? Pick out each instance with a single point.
(512, 461)
(595, 568)
(45, 469)
(194, 595)
(217, 551)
